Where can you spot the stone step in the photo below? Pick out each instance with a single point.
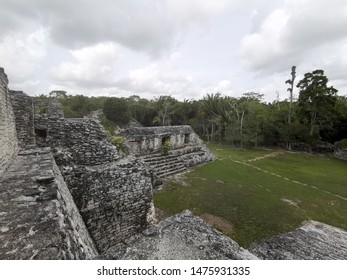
(161, 160)
(156, 157)
(171, 171)
(165, 164)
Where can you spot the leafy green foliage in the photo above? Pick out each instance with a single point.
(166, 147)
(117, 110)
(342, 144)
(316, 104)
(118, 141)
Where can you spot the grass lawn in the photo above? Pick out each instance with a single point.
(261, 193)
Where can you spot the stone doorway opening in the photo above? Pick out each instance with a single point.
(186, 138)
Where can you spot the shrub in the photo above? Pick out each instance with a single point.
(342, 144)
(166, 147)
(118, 141)
(43, 110)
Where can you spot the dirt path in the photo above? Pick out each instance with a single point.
(273, 154)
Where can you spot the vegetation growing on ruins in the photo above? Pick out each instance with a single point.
(166, 147)
(317, 116)
(262, 192)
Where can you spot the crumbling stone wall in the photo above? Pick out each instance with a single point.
(83, 141)
(24, 117)
(115, 200)
(74, 141)
(114, 195)
(146, 140)
(8, 134)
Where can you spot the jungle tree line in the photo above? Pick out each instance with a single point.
(318, 115)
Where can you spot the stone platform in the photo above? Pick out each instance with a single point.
(313, 241)
(38, 217)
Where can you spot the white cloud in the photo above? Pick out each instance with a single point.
(292, 34)
(224, 87)
(150, 26)
(21, 55)
(156, 80)
(92, 66)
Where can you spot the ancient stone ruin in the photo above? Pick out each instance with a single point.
(66, 192)
(186, 149)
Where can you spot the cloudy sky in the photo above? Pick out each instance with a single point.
(182, 48)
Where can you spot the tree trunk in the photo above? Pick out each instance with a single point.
(241, 129)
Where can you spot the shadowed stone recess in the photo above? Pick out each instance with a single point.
(313, 241)
(180, 237)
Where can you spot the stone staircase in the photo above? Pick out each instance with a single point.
(164, 166)
(178, 160)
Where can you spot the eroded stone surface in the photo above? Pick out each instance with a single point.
(8, 134)
(115, 200)
(183, 236)
(23, 108)
(39, 219)
(313, 241)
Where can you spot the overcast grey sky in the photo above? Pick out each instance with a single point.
(182, 48)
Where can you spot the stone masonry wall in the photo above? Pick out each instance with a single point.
(8, 135)
(115, 200)
(24, 114)
(83, 140)
(146, 140)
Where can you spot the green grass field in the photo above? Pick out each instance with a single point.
(261, 193)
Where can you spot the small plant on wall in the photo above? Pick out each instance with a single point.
(119, 142)
(166, 147)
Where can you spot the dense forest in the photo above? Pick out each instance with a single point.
(317, 116)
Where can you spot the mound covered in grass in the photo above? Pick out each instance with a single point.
(261, 193)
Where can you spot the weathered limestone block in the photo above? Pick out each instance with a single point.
(38, 217)
(180, 237)
(115, 200)
(313, 241)
(8, 134)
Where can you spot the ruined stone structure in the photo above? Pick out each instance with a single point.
(38, 218)
(312, 241)
(66, 193)
(147, 140)
(113, 194)
(187, 148)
